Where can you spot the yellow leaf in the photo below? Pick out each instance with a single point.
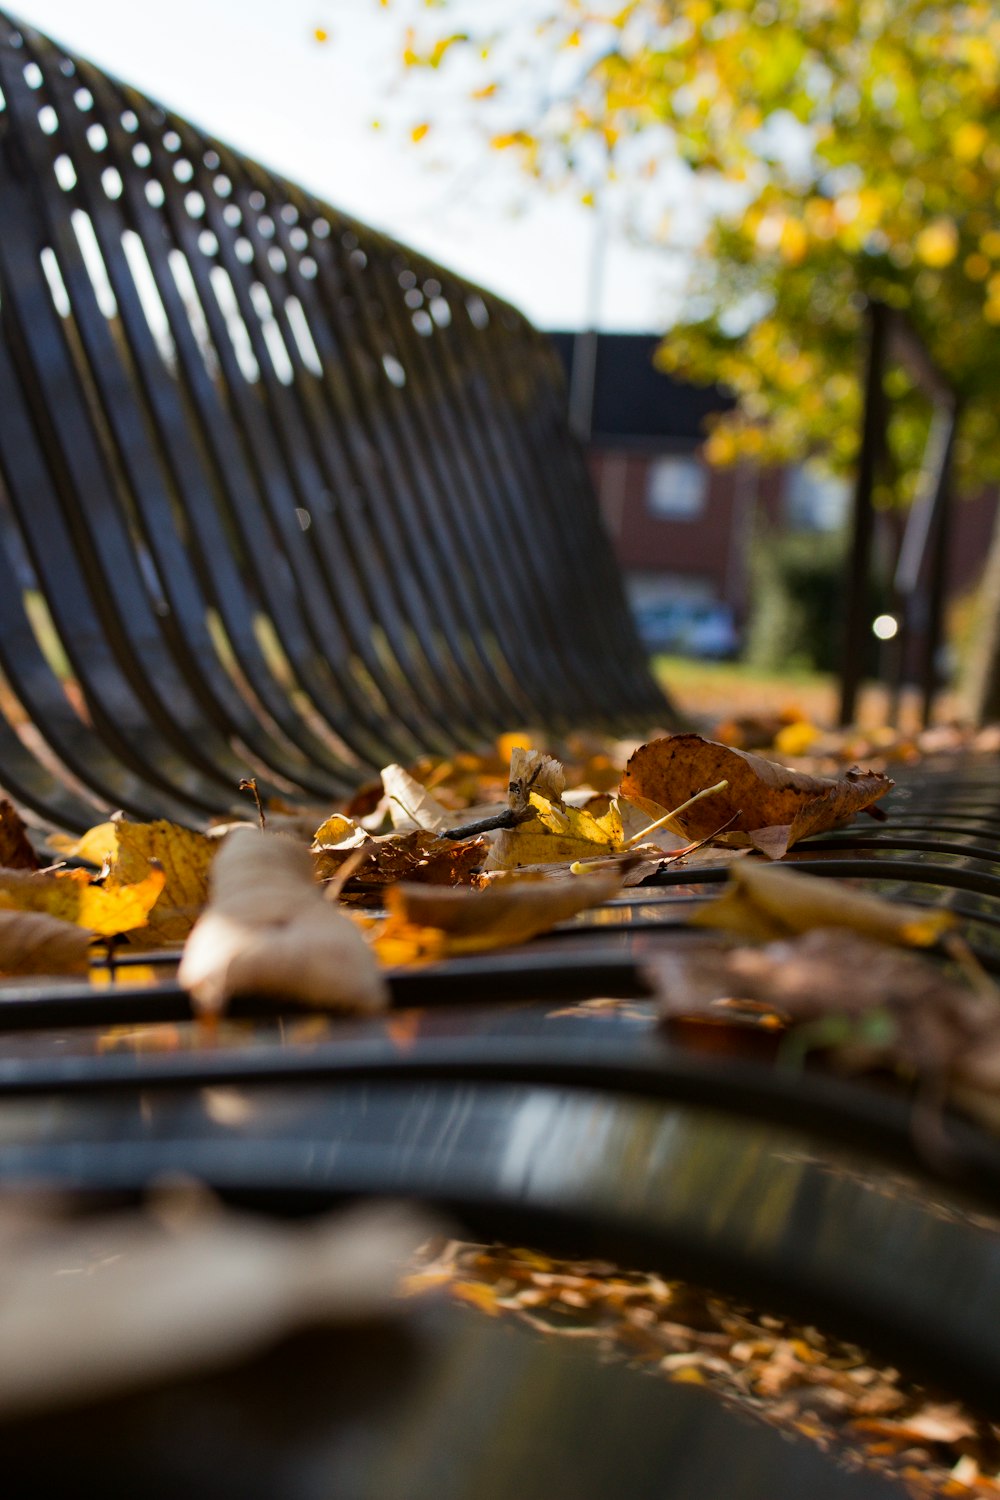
(796, 739)
(441, 922)
(766, 902)
(508, 743)
(96, 846)
(185, 858)
(335, 830)
(578, 823)
(419, 131)
(71, 896)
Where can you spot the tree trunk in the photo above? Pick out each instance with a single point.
(981, 685)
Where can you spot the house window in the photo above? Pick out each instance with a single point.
(677, 488)
(814, 501)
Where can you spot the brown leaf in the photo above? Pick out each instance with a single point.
(772, 806)
(419, 856)
(511, 910)
(938, 1024)
(16, 852)
(34, 943)
(269, 930)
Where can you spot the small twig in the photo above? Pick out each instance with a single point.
(249, 784)
(110, 950)
(962, 956)
(693, 848)
(333, 887)
(508, 818)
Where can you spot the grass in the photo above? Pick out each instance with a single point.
(709, 691)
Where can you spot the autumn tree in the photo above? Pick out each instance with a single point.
(839, 151)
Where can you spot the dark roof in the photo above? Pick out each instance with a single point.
(635, 401)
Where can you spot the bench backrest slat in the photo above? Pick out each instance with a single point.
(297, 500)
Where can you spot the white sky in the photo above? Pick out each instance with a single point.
(250, 72)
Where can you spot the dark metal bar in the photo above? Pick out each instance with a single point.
(858, 609)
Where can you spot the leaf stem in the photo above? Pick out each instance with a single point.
(666, 820)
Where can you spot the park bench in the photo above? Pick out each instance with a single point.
(283, 499)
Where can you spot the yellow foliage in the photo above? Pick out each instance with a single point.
(184, 858)
(71, 896)
(937, 244)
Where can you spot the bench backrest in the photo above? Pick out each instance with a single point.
(280, 496)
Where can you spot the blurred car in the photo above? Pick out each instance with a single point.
(689, 627)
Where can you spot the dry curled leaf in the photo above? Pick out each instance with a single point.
(32, 942)
(771, 806)
(411, 805)
(268, 930)
(763, 902)
(419, 856)
(72, 896)
(16, 852)
(440, 923)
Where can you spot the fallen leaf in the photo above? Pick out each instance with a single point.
(766, 901)
(268, 930)
(934, 1423)
(96, 846)
(337, 830)
(412, 805)
(16, 852)
(127, 1300)
(772, 806)
(534, 771)
(877, 1004)
(444, 923)
(72, 896)
(35, 943)
(419, 856)
(185, 858)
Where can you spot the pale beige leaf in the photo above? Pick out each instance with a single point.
(412, 805)
(34, 943)
(268, 930)
(94, 1309)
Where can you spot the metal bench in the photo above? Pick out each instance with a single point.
(294, 501)
(284, 499)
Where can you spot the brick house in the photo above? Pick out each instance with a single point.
(680, 529)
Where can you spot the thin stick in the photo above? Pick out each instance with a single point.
(693, 848)
(249, 784)
(667, 820)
